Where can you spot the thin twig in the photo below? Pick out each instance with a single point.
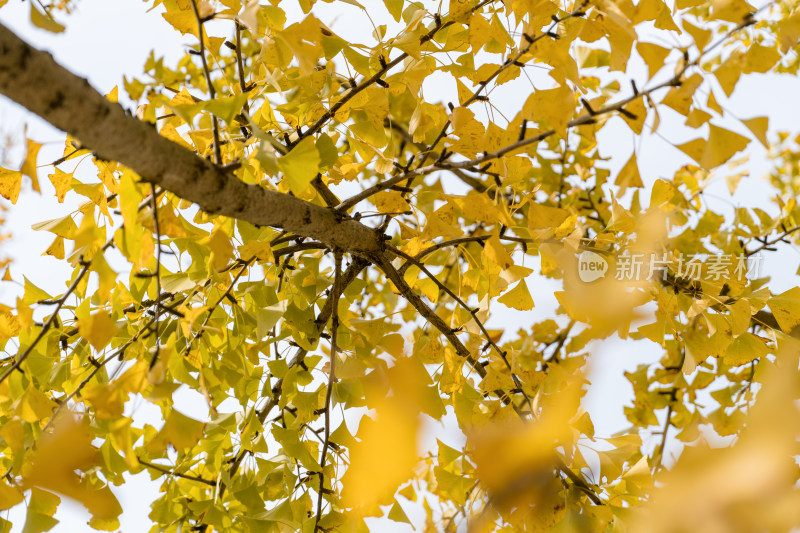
(216, 304)
(473, 313)
(331, 380)
(157, 227)
(211, 92)
(372, 80)
(325, 313)
(427, 313)
(767, 243)
(508, 63)
(170, 472)
(54, 316)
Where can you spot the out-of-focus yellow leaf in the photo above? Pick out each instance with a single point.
(758, 126)
(700, 36)
(29, 165)
(747, 485)
(55, 461)
(9, 496)
(786, 309)
(179, 430)
(46, 22)
(34, 406)
(14, 435)
(629, 175)
(731, 10)
(386, 454)
(520, 454)
(789, 29)
(98, 329)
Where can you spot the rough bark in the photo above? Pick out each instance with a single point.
(34, 80)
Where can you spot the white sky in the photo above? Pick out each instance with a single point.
(106, 39)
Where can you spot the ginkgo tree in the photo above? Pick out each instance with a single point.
(274, 226)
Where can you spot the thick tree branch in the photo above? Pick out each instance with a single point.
(34, 80)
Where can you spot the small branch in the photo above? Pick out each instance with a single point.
(386, 184)
(211, 91)
(289, 250)
(660, 453)
(157, 227)
(54, 316)
(331, 380)
(476, 95)
(472, 312)
(169, 472)
(427, 313)
(375, 78)
(213, 308)
(325, 313)
(240, 65)
(767, 243)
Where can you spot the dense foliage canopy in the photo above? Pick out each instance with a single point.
(287, 226)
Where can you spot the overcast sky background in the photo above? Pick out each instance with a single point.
(105, 40)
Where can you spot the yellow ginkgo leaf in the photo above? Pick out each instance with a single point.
(786, 308)
(556, 106)
(29, 165)
(459, 9)
(496, 252)
(301, 165)
(61, 182)
(518, 298)
(390, 202)
(722, 144)
(9, 496)
(56, 248)
(701, 37)
(653, 55)
(545, 217)
(745, 348)
(758, 126)
(731, 10)
(226, 108)
(46, 22)
(98, 329)
(182, 20)
(10, 183)
(629, 175)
